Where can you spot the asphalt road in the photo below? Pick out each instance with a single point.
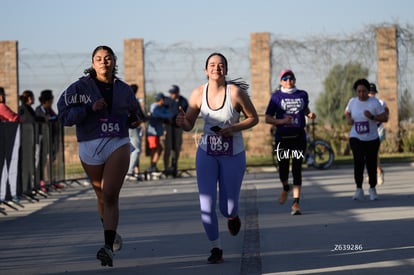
(162, 232)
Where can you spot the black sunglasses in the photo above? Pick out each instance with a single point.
(288, 77)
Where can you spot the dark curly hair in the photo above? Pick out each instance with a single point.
(363, 82)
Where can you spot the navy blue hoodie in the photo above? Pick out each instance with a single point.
(75, 108)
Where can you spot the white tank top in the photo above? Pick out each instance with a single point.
(222, 117)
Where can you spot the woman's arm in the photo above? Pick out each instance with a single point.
(245, 105)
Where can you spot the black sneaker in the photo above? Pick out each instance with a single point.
(234, 225)
(105, 256)
(216, 256)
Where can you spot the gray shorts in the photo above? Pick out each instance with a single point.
(97, 151)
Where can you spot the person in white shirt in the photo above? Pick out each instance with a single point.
(363, 113)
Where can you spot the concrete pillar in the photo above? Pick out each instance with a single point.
(259, 139)
(387, 78)
(9, 77)
(134, 64)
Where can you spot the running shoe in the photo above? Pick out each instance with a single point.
(105, 256)
(16, 199)
(140, 177)
(117, 243)
(284, 195)
(373, 194)
(359, 195)
(216, 256)
(234, 225)
(130, 177)
(295, 209)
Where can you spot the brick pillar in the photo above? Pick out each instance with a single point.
(134, 64)
(387, 78)
(259, 138)
(9, 72)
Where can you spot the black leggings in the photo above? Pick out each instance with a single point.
(365, 154)
(294, 149)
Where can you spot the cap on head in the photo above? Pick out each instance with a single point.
(174, 89)
(159, 96)
(372, 88)
(286, 72)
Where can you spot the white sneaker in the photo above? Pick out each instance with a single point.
(359, 194)
(380, 178)
(130, 177)
(117, 243)
(373, 194)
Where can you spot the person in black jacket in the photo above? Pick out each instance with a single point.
(173, 133)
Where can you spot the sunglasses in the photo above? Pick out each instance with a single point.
(288, 77)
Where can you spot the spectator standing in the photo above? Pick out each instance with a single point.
(173, 133)
(46, 139)
(8, 115)
(159, 114)
(135, 135)
(45, 109)
(30, 137)
(26, 111)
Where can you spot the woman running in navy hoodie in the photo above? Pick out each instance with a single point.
(103, 108)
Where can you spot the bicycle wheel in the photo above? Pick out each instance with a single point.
(322, 153)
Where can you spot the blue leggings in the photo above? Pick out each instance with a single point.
(228, 171)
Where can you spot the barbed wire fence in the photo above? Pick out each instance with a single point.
(314, 57)
(183, 63)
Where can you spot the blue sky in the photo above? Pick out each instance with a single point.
(80, 25)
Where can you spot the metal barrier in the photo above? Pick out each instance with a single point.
(32, 161)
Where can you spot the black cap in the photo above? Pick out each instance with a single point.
(373, 88)
(159, 96)
(174, 89)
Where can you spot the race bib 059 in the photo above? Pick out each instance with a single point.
(219, 146)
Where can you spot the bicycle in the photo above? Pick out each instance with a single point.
(319, 153)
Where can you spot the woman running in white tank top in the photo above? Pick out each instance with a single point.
(220, 156)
